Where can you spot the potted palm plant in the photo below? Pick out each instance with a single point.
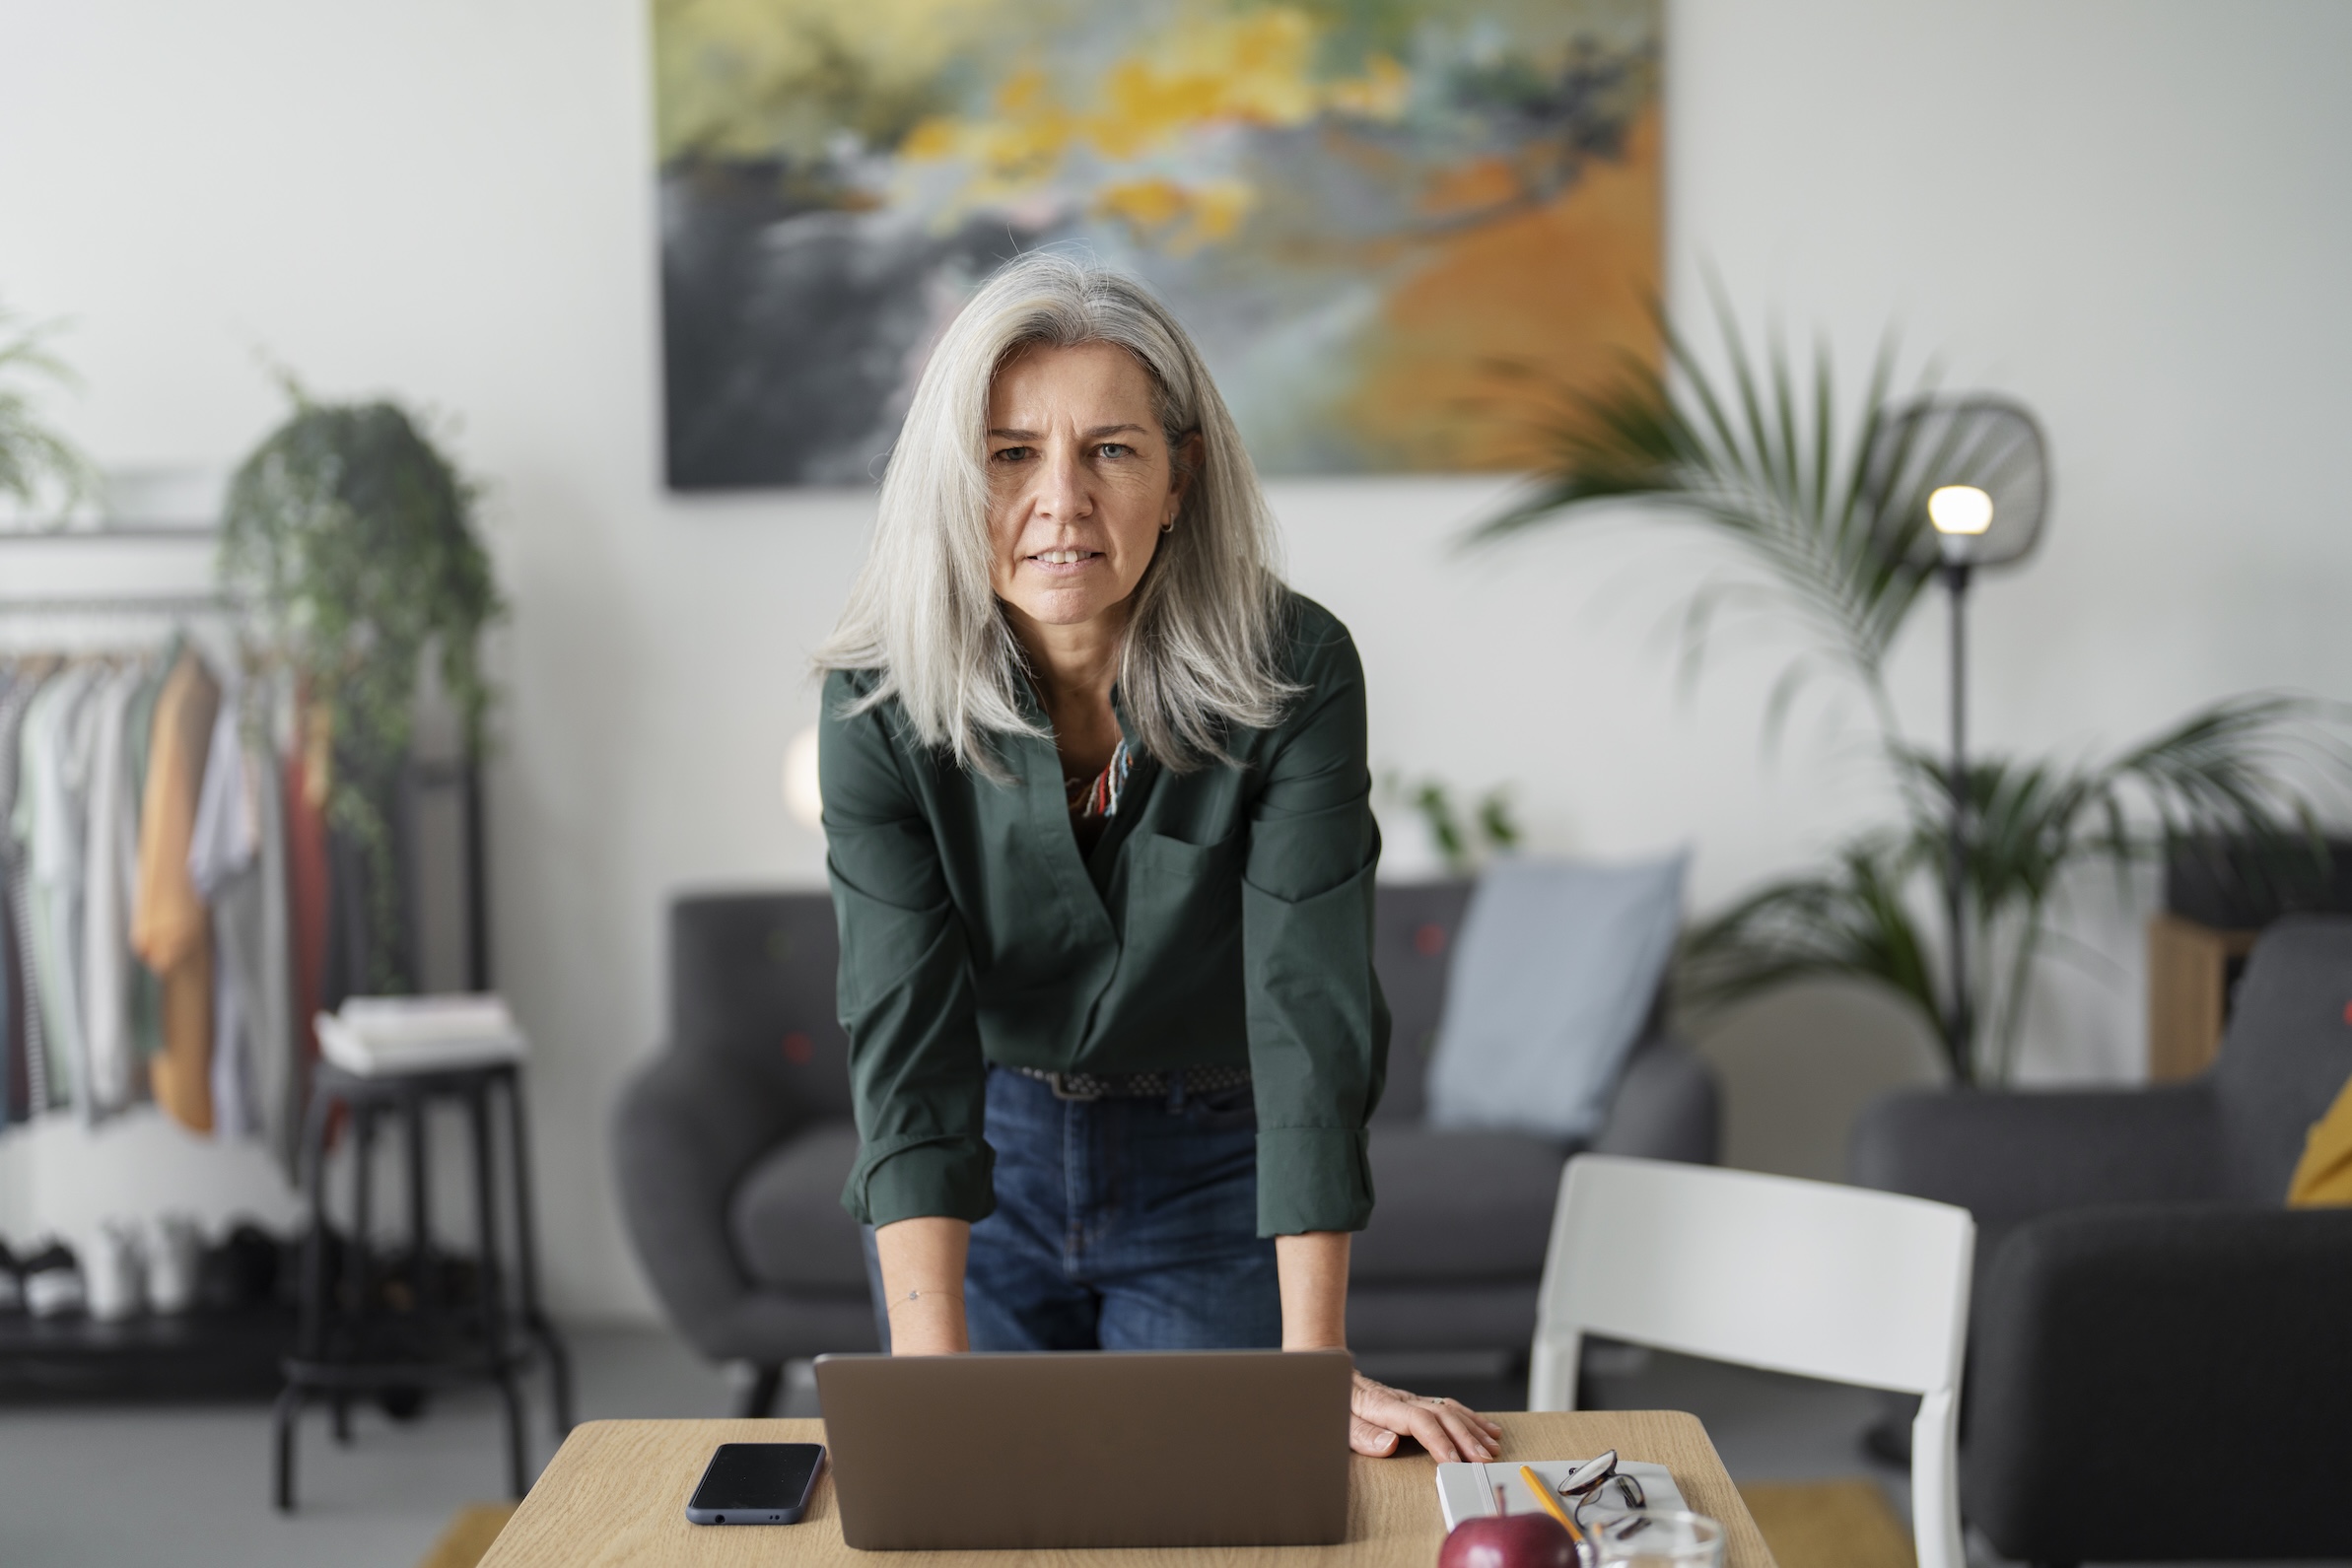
(1758, 455)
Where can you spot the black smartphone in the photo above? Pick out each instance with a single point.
(757, 1484)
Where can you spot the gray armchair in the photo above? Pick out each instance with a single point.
(2146, 1308)
(732, 1145)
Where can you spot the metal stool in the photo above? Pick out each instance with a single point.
(348, 1343)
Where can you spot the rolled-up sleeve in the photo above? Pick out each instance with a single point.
(906, 996)
(1317, 1024)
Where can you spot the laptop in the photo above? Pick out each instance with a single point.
(1088, 1449)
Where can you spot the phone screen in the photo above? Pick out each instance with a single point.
(756, 1483)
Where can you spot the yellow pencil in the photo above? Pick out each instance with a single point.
(1535, 1485)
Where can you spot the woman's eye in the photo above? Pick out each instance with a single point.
(1010, 455)
(1112, 449)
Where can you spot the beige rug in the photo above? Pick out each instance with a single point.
(467, 1539)
(1844, 1523)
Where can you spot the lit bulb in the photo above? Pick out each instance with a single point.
(1960, 508)
(804, 797)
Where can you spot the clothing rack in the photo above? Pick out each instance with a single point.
(200, 533)
(167, 601)
(205, 1353)
(114, 603)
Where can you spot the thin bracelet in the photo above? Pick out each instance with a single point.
(918, 1295)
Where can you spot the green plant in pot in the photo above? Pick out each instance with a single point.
(352, 535)
(1462, 842)
(1760, 456)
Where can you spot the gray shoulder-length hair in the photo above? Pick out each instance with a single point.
(1200, 645)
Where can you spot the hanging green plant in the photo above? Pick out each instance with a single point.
(353, 537)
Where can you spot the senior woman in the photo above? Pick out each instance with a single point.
(1097, 810)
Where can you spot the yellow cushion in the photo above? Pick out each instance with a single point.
(2323, 1176)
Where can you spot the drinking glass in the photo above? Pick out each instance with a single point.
(1655, 1538)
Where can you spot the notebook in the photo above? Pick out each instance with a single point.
(1475, 1491)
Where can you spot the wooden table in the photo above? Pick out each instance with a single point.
(616, 1493)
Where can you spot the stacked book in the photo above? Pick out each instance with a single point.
(374, 1037)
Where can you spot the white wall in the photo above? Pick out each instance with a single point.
(2134, 216)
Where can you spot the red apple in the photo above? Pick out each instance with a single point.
(1514, 1540)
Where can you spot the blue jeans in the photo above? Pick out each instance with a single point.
(1120, 1225)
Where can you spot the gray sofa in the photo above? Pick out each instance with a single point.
(1455, 1250)
(732, 1144)
(2160, 1358)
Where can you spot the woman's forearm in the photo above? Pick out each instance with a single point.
(1314, 1274)
(922, 1282)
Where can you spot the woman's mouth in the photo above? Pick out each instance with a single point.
(1063, 559)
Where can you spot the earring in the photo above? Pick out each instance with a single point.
(1168, 527)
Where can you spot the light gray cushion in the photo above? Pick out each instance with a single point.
(1457, 1207)
(788, 1227)
(1553, 976)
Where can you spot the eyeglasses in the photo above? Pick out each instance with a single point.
(1595, 1479)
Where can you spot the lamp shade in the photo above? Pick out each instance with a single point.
(1960, 481)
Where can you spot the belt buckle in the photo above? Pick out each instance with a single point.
(1054, 1081)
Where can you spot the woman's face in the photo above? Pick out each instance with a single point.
(1081, 481)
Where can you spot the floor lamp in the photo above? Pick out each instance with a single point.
(1962, 484)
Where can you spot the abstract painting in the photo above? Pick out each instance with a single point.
(1405, 232)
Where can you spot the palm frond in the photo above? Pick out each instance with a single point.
(40, 468)
(1851, 921)
(1753, 453)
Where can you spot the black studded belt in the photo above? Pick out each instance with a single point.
(1138, 1085)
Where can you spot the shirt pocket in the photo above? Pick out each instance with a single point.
(1182, 931)
(1157, 852)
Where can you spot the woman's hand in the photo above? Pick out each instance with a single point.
(1447, 1428)
(1314, 1277)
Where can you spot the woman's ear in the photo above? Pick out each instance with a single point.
(1184, 462)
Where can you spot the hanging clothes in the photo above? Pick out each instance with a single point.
(9, 985)
(28, 1066)
(239, 862)
(224, 849)
(307, 882)
(144, 814)
(108, 871)
(53, 762)
(138, 745)
(16, 1091)
(170, 926)
(281, 1086)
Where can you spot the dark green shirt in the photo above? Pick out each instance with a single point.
(1224, 916)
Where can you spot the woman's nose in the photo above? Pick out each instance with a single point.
(1062, 491)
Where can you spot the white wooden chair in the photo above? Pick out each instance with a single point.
(1823, 1282)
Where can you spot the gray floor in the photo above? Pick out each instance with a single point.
(187, 1485)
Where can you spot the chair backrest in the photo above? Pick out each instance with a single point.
(1820, 1280)
(752, 974)
(1824, 1281)
(2288, 1051)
